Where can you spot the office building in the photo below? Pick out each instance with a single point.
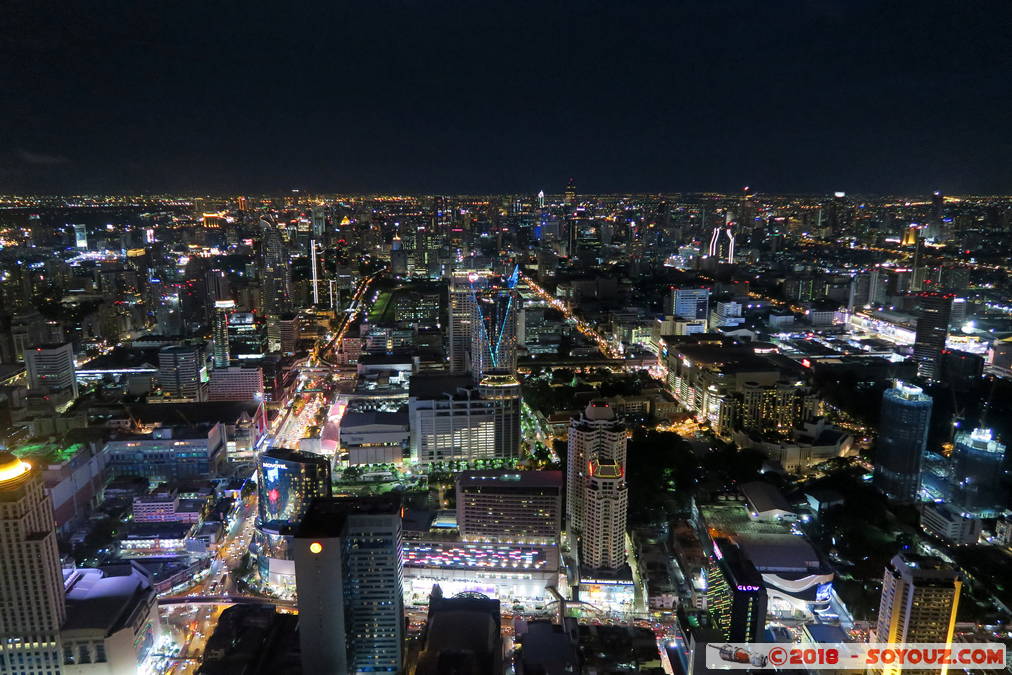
(903, 437)
(450, 419)
(348, 568)
(112, 624)
(464, 284)
(289, 332)
(222, 355)
(605, 507)
(735, 594)
(952, 525)
(690, 303)
(181, 373)
(978, 472)
(275, 281)
(920, 597)
(509, 506)
(170, 453)
(933, 313)
(236, 383)
(247, 338)
(463, 635)
(32, 606)
(595, 434)
(51, 368)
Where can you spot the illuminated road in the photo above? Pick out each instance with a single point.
(588, 331)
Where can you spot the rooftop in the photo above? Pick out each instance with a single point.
(104, 598)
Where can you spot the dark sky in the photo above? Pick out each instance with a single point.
(218, 96)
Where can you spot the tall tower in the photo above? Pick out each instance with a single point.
(605, 508)
(919, 601)
(222, 308)
(464, 284)
(933, 314)
(348, 569)
(275, 284)
(736, 597)
(596, 435)
(902, 439)
(570, 194)
(978, 462)
(32, 605)
(494, 330)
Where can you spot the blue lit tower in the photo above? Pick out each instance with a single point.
(494, 326)
(903, 437)
(978, 462)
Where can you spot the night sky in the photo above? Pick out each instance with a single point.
(804, 96)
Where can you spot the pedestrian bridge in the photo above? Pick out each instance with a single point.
(225, 600)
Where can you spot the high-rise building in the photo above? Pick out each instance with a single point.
(349, 575)
(288, 480)
(32, 604)
(52, 367)
(597, 434)
(81, 236)
(494, 329)
(463, 286)
(450, 419)
(690, 303)
(509, 506)
(933, 310)
(181, 372)
(902, 439)
(275, 281)
(735, 594)
(978, 472)
(605, 507)
(920, 597)
(247, 338)
(236, 383)
(222, 308)
(570, 193)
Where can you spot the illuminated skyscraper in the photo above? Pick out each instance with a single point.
(978, 473)
(920, 597)
(605, 508)
(81, 236)
(933, 313)
(690, 303)
(735, 595)
(570, 194)
(288, 481)
(181, 372)
(719, 233)
(509, 506)
(222, 308)
(275, 283)
(903, 436)
(32, 605)
(595, 435)
(464, 284)
(494, 329)
(349, 573)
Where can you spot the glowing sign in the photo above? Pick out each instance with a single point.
(748, 588)
(315, 547)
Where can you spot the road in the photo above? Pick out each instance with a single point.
(588, 331)
(190, 626)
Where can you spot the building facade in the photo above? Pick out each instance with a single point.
(903, 437)
(32, 605)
